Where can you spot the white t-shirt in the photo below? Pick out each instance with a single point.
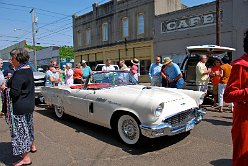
(108, 68)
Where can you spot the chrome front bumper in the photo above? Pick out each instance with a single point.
(167, 129)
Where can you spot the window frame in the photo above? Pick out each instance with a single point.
(105, 37)
(138, 24)
(79, 38)
(88, 36)
(124, 35)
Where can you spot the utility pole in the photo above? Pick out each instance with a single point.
(218, 23)
(34, 30)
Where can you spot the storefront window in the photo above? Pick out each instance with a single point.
(144, 67)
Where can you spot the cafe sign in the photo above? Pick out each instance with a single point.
(189, 22)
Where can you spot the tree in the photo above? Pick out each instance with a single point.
(36, 47)
(66, 52)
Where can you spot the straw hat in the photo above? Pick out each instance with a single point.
(135, 61)
(167, 60)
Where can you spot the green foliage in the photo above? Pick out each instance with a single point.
(66, 52)
(32, 47)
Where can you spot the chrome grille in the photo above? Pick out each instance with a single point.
(181, 117)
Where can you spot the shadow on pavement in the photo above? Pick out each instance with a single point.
(222, 162)
(218, 122)
(108, 136)
(6, 156)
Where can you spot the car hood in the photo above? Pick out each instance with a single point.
(135, 92)
(39, 75)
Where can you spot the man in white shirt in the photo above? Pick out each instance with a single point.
(202, 74)
(154, 72)
(108, 66)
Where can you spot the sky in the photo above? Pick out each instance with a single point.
(54, 20)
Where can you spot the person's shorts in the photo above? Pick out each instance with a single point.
(215, 89)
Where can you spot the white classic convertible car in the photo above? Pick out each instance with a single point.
(115, 100)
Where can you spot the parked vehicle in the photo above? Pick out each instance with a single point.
(39, 78)
(188, 66)
(115, 100)
(99, 67)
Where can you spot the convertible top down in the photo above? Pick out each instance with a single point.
(115, 100)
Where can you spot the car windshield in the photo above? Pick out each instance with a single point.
(113, 78)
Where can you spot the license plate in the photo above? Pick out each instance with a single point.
(190, 126)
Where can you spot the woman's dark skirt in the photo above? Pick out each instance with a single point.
(22, 133)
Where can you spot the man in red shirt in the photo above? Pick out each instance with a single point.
(237, 92)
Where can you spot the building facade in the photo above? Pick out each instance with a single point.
(119, 29)
(197, 26)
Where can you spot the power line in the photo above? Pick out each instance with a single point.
(58, 33)
(8, 36)
(53, 22)
(55, 29)
(13, 9)
(29, 7)
(55, 32)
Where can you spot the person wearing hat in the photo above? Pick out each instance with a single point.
(85, 69)
(173, 73)
(134, 68)
(155, 72)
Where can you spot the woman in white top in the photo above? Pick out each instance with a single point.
(68, 74)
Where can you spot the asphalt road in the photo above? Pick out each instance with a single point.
(75, 142)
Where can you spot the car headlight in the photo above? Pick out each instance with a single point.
(159, 110)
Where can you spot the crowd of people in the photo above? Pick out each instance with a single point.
(68, 76)
(219, 75)
(230, 84)
(167, 74)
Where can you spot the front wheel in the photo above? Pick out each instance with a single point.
(59, 111)
(129, 131)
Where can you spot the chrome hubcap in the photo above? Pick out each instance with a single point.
(129, 129)
(59, 110)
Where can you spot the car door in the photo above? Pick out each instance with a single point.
(77, 104)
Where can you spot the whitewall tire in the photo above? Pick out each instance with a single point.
(128, 129)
